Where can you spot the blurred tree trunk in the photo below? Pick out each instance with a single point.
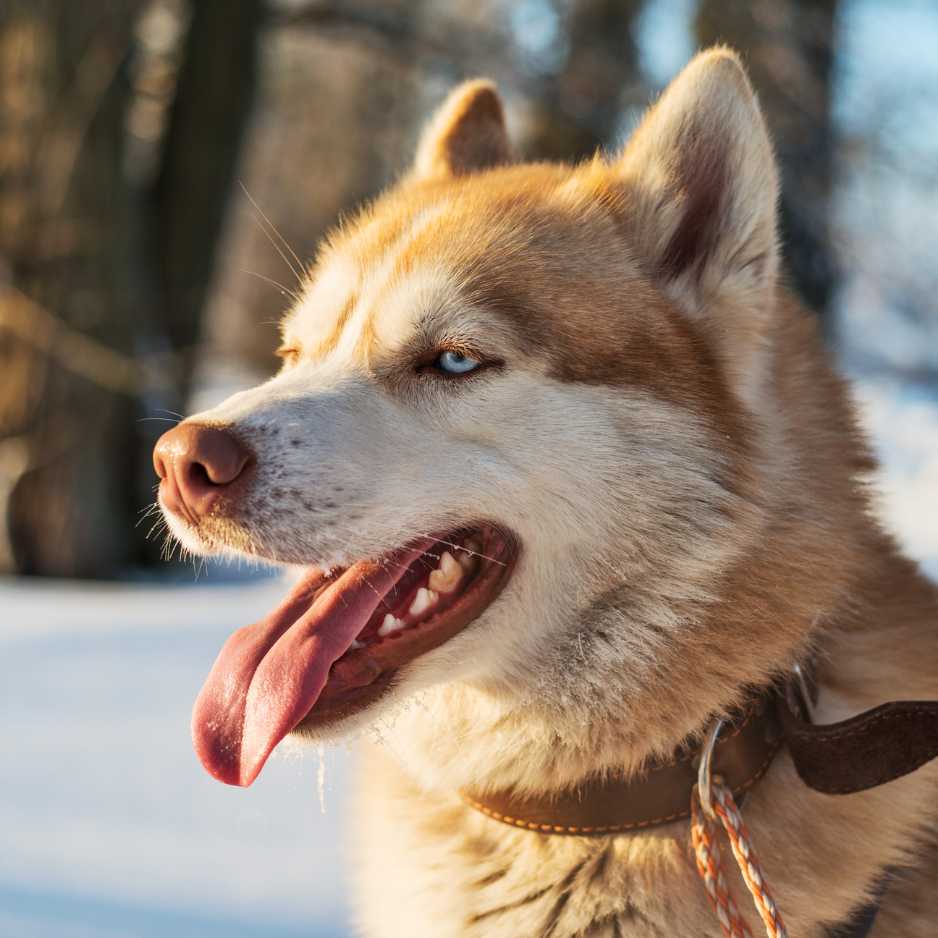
(582, 104)
(65, 431)
(84, 288)
(210, 112)
(788, 48)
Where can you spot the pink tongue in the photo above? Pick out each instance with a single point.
(270, 674)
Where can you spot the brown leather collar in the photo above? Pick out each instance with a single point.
(865, 751)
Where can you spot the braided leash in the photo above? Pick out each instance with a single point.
(710, 868)
(703, 837)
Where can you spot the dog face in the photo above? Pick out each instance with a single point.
(551, 375)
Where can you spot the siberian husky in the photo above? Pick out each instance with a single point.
(566, 469)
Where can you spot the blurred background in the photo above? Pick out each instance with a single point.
(166, 167)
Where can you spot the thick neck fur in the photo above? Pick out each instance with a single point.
(654, 659)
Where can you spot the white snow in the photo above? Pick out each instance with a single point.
(108, 824)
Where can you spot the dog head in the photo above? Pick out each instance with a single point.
(514, 440)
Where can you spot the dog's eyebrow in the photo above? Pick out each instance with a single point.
(422, 337)
(429, 322)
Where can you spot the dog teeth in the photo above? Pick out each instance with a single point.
(390, 624)
(423, 601)
(356, 644)
(447, 576)
(449, 565)
(444, 579)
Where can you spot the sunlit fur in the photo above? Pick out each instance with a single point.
(661, 429)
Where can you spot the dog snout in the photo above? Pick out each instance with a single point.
(197, 465)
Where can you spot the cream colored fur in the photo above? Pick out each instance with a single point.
(681, 466)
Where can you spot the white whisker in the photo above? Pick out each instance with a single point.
(297, 270)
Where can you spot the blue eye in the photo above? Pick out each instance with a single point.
(455, 363)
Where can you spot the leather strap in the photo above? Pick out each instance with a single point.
(614, 803)
(862, 752)
(865, 751)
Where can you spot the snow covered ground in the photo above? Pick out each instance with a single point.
(109, 828)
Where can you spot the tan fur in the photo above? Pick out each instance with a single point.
(681, 464)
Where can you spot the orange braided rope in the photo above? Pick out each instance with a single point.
(708, 863)
(709, 866)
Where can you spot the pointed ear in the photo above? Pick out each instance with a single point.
(703, 186)
(465, 135)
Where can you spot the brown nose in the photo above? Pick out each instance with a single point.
(195, 464)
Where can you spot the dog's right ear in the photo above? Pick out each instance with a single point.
(703, 182)
(467, 134)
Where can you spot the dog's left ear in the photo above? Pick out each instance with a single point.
(702, 188)
(467, 134)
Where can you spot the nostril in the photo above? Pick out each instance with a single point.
(198, 476)
(221, 457)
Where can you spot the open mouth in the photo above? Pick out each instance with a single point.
(332, 647)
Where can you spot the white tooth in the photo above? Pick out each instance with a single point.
(390, 624)
(356, 644)
(423, 601)
(447, 577)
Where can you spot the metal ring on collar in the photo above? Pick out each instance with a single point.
(800, 687)
(705, 770)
